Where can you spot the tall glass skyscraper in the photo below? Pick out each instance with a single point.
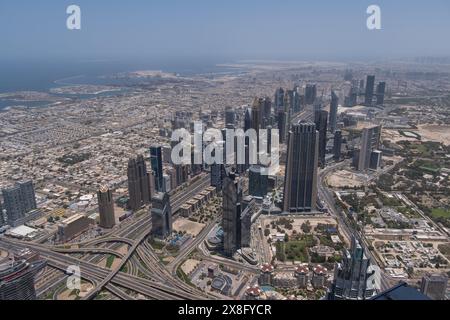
(370, 89)
(258, 182)
(156, 162)
(161, 215)
(321, 121)
(333, 111)
(231, 219)
(354, 278)
(139, 184)
(370, 141)
(300, 183)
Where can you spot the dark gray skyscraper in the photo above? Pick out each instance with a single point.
(156, 163)
(282, 119)
(28, 196)
(231, 220)
(321, 121)
(370, 142)
(297, 100)
(337, 146)
(106, 207)
(310, 94)
(279, 99)
(370, 89)
(267, 112)
(258, 182)
(161, 216)
(333, 111)
(2, 221)
(354, 278)
(381, 90)
(138, 183)
(257, 108)
(300, 183)
(248, 119)
(217, 175)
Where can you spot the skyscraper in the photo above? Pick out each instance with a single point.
(2, 220)
(337, 146)
(370, 141)
(13, 204)
(434, 286)
(352, 99)
(139, 184)
(370, 89)
(248, 119)
(217, 175)
(290, 99)
(156, 164)
(279, 99)
(297, 100)
(267, 112)
(246, 223)
(17, 279)
(300, 183)
(28, 196)
(354, 278)
(283, 122)
(19, 200)
(258, 105)
(230, 118)
(310, 94)
(106, 207)
(321, 121)
(333, 111)
(381, 90)
(161, 215)
(258, 182)
(231, 219)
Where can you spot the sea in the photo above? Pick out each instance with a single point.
(42, 76)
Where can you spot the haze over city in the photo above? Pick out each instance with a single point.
(233, 29)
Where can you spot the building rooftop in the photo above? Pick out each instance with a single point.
(267, 267)
(302, 269)
(320, 270)
(401, 291)
(255, 291)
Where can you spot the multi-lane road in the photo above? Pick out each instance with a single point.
(157, 283)
(348, 232)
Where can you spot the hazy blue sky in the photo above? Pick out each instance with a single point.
(244, 29)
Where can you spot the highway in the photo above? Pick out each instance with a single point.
(96, 274)
(186, 251)
(159, 282)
